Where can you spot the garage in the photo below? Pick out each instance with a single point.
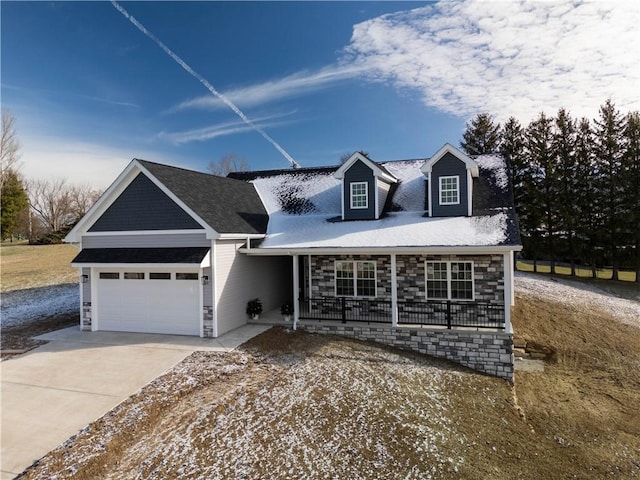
(151, 301)
(146, 290)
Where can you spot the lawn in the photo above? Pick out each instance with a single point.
(294, 405)
(29, 266)
(581, 271)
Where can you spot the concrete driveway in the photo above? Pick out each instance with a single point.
(52, 392)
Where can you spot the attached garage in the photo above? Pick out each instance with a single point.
(152, 301)
(146, 290)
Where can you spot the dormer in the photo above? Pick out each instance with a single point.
(450, 175)
(365, 186)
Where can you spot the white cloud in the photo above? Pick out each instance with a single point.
(220, 130)
(507, 58)
(290, 86)
(78, 162)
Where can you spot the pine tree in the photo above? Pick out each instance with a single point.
(481, 136)
(631, 180)
(539, 148)
(14, 201)
(588, 217)
(609, 151)
(564, 146)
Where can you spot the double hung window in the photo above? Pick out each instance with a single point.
(355, 278)
(449, 280)
(449, 190)
(359, 195)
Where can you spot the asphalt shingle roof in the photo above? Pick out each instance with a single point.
(226, 204)
(193, 255)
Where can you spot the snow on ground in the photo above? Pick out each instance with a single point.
(401, 229)
(25, 306)
(580, 295)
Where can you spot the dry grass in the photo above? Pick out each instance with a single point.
(29, 266)
(293, 405)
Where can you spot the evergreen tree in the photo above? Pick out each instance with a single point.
(564, 146)
(631, 180)
(481, 136)
(539, 148)
(609, 152)
(14, 201)
(588, 217)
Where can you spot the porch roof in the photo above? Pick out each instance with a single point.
(400, 229)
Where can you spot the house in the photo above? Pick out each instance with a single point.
(415, 253)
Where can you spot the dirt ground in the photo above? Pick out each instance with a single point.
(294, 405)
(20, 337)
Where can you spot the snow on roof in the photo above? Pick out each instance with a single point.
(400, 229)
(497, 166)
(301, 203)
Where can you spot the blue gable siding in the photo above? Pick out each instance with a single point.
(143, 206)
(359, 172)
(448, 165)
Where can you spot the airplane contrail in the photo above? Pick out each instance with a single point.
(204, 81)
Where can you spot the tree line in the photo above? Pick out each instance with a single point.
(42, 210)
(576, 184)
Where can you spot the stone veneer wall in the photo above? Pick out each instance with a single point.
(85, 321)
(486, 352)
(207, 322)
(487, 276)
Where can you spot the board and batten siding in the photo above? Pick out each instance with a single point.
(383, 192)
(160, 240)
(449, 165)
(359, 172)
(240, 278)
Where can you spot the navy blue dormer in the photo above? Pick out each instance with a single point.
(365, 186)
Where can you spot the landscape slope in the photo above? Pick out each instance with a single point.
(293, 405)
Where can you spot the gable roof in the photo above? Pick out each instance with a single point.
(225, 204)
(219, 205)
(448, 148)
(378, 170)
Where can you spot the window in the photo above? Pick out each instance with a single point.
(359, 195)
(134, 276)
(109, 275)
(449, 280)
(159, 276)
(449, 191)
(186, 276)
(355, 279)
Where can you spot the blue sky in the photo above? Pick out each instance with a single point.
(90, 91)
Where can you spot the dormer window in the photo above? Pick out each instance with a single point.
(450, 190)
(359, 195)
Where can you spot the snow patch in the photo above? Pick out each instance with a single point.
(497, 166)
(579, 294)
(25, 306)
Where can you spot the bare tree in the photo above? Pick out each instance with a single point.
(9, 146)
(52, 202)
(347, 156)
(82, 199)
(227, 164)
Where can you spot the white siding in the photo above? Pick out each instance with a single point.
(240, 278)
(146, 241)
(383, 192)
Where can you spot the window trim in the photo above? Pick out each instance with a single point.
(457, 190)
(449, 279)
(366, 195)
(354, 266)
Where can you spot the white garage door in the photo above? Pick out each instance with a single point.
(148, 301)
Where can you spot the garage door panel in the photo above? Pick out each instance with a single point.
(151, 306)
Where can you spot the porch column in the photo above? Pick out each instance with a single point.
(394, 292)
(508, 281)
(296, 291)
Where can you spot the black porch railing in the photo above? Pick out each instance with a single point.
(447, 314)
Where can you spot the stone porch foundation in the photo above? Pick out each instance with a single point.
(486, 352)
